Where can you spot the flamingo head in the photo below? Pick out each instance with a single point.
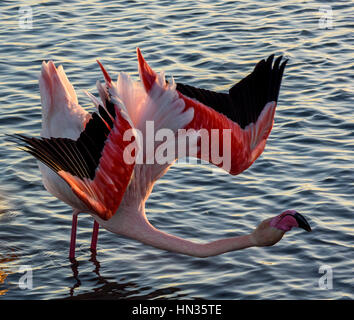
(289, 219)
(270, 231)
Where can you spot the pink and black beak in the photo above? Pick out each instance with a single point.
(302, 222)
(289, 219)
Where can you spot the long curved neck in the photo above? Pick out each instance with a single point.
(163, 240)
(136, 226)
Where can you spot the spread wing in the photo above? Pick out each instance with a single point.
(243, 117)
(245, 100)
(93, 165)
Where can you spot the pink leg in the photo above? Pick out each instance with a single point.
(73, 235)
(94, 236)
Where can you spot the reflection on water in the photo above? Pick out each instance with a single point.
(6, 260)
(307, 164)
(116, 290)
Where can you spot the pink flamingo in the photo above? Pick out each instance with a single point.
(83, 159)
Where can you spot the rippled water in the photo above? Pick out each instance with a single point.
(307, 165)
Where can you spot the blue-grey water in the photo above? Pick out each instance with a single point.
(307, 165)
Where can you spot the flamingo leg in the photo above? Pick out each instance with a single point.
(73, 235)
(94, 236)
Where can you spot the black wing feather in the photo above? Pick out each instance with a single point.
(81, 157)
(247, 98)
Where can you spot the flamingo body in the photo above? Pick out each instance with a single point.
(84, 156)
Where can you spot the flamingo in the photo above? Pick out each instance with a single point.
(83, 157)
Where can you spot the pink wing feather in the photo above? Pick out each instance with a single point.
(247, 111)
(104, 193)
(93, 165)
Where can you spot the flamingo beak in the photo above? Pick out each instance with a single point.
(302, 222)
